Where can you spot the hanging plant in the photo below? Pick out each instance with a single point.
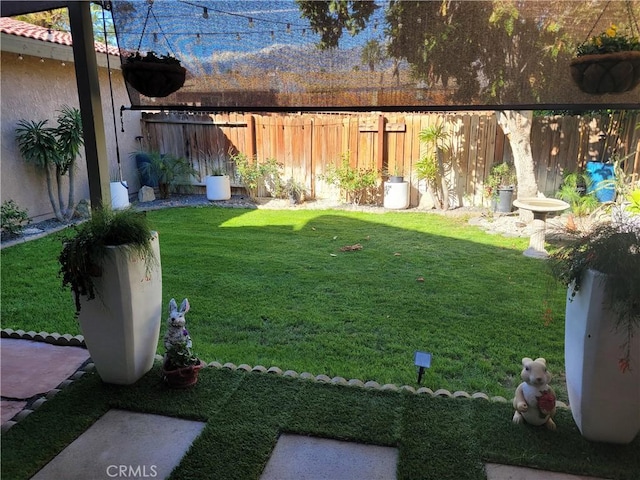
(607, 63)
(152, 75)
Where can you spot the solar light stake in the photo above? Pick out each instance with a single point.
(422, 360)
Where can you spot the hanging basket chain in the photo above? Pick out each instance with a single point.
(596, 22)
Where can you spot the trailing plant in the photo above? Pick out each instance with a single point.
(502, 175)
(254, 174)
(167, 171)
(82, 255)
(13, 218)
(358, 185)
(612, 248)
(54, 150)
(432, 166)
(574, 190)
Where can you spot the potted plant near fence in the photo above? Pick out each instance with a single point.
(295, 190)
(112, 265)
(218, 186)
(602, 270)
(166, 170)
(500, 186)
(607, 63)
(153, 75)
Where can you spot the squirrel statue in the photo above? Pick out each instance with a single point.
(535, 400)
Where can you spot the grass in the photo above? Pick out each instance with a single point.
(245, 412)
(273, 288)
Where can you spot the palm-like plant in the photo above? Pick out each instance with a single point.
(54, 149)
(431, 166)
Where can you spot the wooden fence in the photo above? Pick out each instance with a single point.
(306, 144)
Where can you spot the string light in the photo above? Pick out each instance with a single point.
(272, 35)
(20, 57)
(205, 13)
(63, 64)
(155, 37)
(288, 28)
(198, 38)
(237, 36)
(41, 60)
(251, 25)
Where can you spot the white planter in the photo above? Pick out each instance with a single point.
(605, 402)
(396, 195)
(119, 195)
(218, 187)
(121, 325)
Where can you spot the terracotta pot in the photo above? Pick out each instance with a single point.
(182, 377)
(607, 73)
(154, 79)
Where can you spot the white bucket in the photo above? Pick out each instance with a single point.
(119, 195)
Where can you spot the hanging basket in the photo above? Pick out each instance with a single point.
(617, 72)
(154, 79)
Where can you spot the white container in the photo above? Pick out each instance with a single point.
(218, 187)
(121, 325)
(604, 401)
(119, 195)
(396, 195)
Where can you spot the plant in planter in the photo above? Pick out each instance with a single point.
(575, 191)
(500, 185)
(167, 171)
(112, 265)
(153, 75)
(607, 63)
(602, 271)
(295, 190)
(180, 367)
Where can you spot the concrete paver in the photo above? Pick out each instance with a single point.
(124, 444)
(508, 472)
(297, 457)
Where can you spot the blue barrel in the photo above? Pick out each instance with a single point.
(601, 176)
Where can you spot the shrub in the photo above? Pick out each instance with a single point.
(359, 185)
(254, 174)
(13, 218)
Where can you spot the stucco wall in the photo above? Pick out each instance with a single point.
(35, 90)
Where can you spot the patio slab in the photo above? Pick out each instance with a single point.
(30, 368)
(124, 444)
(296, 457)
(508, 472)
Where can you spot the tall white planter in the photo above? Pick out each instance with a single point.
(119, 195)
(605, 402)
(121, 325)
(218, 187)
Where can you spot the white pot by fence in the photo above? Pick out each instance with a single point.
(604, 401)
(119, 195)
(121, 325)
(396, 195)
(218, 187)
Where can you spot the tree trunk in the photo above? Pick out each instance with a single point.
(516, 125)
(54, 205)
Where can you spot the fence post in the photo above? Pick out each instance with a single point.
(381, 142)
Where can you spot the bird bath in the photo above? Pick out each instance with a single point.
(540, 208)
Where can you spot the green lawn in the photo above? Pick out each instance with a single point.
(273, 288)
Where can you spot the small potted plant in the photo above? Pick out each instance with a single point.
(607, 63)
(500, 186)
(601, 268)
(218, 186)
(154, 75)
(295, 191)
(167, 171)
(112, 265)
(180, 367)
